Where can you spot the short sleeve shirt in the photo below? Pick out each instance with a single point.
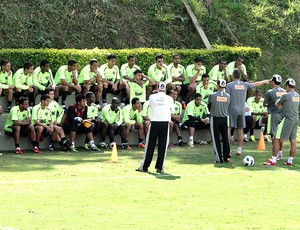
(131, 116)
(219, 102)
(176, 72)
(177, 108)
(192, 109)
(110, 74)
(86, 74)
(212, 87)
(159, 75)
(22, 80)
(271, 97)
(92, 111)
(256, 107)
(63, 73)
(110, 116)
(43, 115)
(146, 110)
(5, 80)
(42, 80)
(238, 91)
(216, 74)
(138, 91)
(127, 71)
(191, 72)
(231, 67)
(15, 114)
(290, 105)
(56, 111)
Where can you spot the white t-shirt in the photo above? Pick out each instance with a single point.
(161, 106)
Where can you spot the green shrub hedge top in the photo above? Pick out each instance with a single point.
(145, 56)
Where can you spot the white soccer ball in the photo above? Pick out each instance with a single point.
(248, 161)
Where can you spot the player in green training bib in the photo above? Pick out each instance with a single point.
(66, 80)
(18, 124)
(132, 118)
(6, 83)
(195, 117)
(90, 80)
(22, 80)
(43, 78)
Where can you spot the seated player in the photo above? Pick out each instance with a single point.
(43, 78)
(111, 115)
(67, 82)
(76, 122)
(93, 115)
(219, 71)
(22, 80)
(57, 115)
(158, 72)
(137, 88)
(176, 118)
(196, 117)
(6, 83)
(206, 87)
(111, 74)
(132, 119)
(259, 114)
(18, 124)
(91, 80)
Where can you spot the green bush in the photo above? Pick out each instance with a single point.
(145, 56)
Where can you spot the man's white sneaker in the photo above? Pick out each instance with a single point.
(191, 144)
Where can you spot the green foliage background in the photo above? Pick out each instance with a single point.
(272, 25)
(145, 56)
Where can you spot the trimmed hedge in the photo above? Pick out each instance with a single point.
(145, 56)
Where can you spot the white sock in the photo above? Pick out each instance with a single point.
(274, 159)
(191, 138)
(290, 159)
(92, 143)
(239, 150)
(73, 144)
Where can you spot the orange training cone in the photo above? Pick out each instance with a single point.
(114, 154)
(261, 143)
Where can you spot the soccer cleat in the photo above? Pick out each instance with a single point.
(19, 150)
(86, 146)
(228, 160)
(191, 144)
(269, 162)
(245, 138)
(238, 154)
(160, 171)
(288, 163)
(141, 170)
(181, 143)
(268, 138)
(94, 148)
(102, 145)
(200, 142)
(36, 150)
(125, 146)
(141, 145)
(51, 148)
(73, 149)
(111, 145)
(252, 138)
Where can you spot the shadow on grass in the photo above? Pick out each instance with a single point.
(164, 176)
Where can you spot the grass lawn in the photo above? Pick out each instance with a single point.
(85, 191)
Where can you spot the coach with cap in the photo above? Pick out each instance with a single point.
(218, 103)
(161, 106)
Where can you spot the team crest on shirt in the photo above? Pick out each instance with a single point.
(24, 115)
(239, 87)
(114, 72)
(46, 113)
(6, 78)
(93, 110)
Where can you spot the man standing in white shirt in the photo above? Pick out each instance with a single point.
(161, 106)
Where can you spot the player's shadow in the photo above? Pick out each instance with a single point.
(164, 176)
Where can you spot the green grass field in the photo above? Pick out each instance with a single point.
(85, 191)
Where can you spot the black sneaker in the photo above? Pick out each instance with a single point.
(141, 170)
(51, 148)
(181, 143)
(160, 171)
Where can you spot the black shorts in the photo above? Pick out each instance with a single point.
(23, 131)
(184, 89)
(78, 129)
(109, 90)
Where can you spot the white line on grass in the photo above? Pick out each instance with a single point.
(141, 176)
